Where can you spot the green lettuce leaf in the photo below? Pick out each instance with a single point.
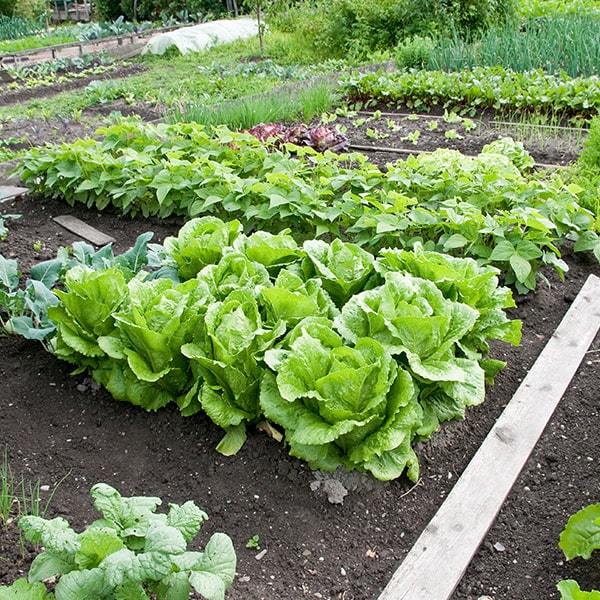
(200, 242)
(411, 317)
(340, 404)
(581, 535)
(570, 590)
(343, 268)
(292, 299)
(272, 251)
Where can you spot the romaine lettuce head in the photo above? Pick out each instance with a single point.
(344, 268)
(162, 317)
(462, 280)
(411, 318)
(233, 272)
(293, 299)
(229, 360)
(201, 242)
(340, 404)
(85, 312)
(146, 366)
(274, 251)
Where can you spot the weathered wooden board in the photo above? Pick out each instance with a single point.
(436, 563)
(83, 230)
(9, 192)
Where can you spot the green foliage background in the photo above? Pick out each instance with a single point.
(338, 27)
(151, 10)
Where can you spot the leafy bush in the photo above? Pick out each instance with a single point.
(414, 52)
(479, 88)
(482, 207)
(590, 155)
(131, 552)
(359, 27)
(13, 27)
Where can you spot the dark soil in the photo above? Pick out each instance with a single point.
(61, 428)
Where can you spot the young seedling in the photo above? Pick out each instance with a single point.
(254, 542)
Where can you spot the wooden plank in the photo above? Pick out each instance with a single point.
(83, 230)
(436, 563)
(10, 192)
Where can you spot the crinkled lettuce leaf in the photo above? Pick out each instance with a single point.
(229, 360)
(200, 242)
(341, 404)
(343, 268)
(291, 299)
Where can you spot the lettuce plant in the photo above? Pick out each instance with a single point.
(292, 299)
(341, 404)
(131, 552)
(580, 537)
(343, 268)
(462, 280)
(228, 361)
(356, 356)
(143, 362)
(86, 312)
(200, 242)
(273, 251)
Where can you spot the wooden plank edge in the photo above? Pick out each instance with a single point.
(11, 192)
(83, 230)
(436, 563)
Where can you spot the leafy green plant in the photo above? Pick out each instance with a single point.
(466, 206)
(23, 590)
(481, 87)
(13, 27)
(341, 404)
(414, 52)
(132, 552)
(223, 319)
(452, 134)
(579, 538)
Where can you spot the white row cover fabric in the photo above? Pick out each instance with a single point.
(203, 36)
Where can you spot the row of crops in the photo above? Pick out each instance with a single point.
(349, 305)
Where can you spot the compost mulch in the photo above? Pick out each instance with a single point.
(67, 433)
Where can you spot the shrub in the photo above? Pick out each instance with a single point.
(360, 27)
(590, 156)
(414, 52)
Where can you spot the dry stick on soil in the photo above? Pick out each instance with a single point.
(436, 563)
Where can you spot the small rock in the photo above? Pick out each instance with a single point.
(261, 554)
(499, 547)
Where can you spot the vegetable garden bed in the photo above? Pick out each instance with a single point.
(321, 536)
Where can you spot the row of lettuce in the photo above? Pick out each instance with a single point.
(354, 356)
(487, 207)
